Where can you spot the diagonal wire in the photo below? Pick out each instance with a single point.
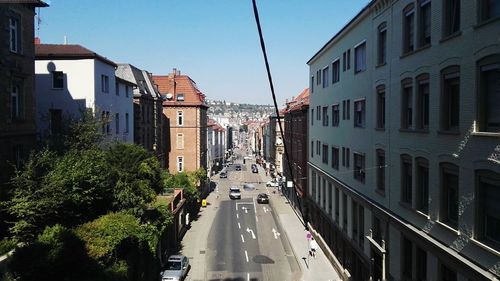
(263, 47)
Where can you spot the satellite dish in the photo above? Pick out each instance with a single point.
(169, 96)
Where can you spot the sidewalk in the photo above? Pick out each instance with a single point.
(318, 268)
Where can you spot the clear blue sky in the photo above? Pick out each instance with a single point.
(215, 42)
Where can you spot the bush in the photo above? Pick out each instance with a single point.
(6, 245)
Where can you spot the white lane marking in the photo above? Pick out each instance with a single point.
(246, 255)
(239, 226)
(248, 276)
(276, 233)
(245, 209)
(242, 239)
(265, 209)
(237, 216)
(255, 208)
(251, 232)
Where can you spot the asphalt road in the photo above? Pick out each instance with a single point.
(245, 241)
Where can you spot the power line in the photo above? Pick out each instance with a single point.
(263, 47)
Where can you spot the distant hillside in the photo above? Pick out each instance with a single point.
(239, 111)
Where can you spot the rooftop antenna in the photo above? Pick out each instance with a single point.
(38, 22)
(65, 40)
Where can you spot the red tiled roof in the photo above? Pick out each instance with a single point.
(183, 85)
(300, 101)
(60, 51)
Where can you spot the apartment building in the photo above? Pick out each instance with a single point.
(185, 108)
(404, 136)
(216, 146)
(71, 79)
(295, 120)
(150, 127)
(17, 99)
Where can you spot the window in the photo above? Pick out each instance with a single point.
(381, 107)
(380, 170)
(360, 58)
(57, 80)
(349, 59)
(104, 83)
(318, 112)
(14, 35)
(449, 194)
(312, 116)
(312, 84)
(359, 167)
(19, 156)
(451, 22)
(344, 212)
(347, 157)
(312, 149)
(336, 71)
(343, 156)
(355, 223)
(318, 75)
(421, 266)
(382, 44)
(103, 121)
(408, 29)
(319, 192)
(359, 114)
(126, 123)
(343, 109)
(487, 208)
(127, 88)
(318, 147)
(446, 273)
(489, 94)
(348, 109)
(325, 116)
(406, 179)
(423, 102)
(313, 185)
(325, 77)
(180, 164)
(406, 105)
(55, 121)
(422, 178)
(16, 105)
(108, 120)
(180, 118)
(407, 256)
(337, 205)
(330, 203)
(325, 154)
(335, 158)
(450, 98)
(180, 141)
(117, 89)
(424, 23)
(117, 123)
(344, 62)
(323, 202)
(489, 9)
(180, 97)
(335, 115)
(361, 214)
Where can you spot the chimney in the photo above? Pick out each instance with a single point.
(37, 41)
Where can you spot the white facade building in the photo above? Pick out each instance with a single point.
(404, 138)
(71, 79)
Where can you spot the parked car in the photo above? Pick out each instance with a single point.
(262, 198)
(176, 268)
(272, 183)
(223, 175)
(234, 193)
(238, 167)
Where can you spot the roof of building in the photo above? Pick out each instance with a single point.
(67, 52)
(179, 89)
(141, 78)
(341, 31)
(298, 103)
(123, 81)
(36, 3)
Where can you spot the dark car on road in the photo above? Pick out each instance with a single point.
(238, 167)
(262, 198)
(223, 175)
(255, 170)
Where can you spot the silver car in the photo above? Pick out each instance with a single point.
(234, 193)
(176, 268)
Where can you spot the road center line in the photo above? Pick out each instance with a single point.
(246, 255)
(248, 276)
(237, 216)
(242, 239)
(239, 226)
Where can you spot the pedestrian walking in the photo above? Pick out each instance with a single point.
(313, 246)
